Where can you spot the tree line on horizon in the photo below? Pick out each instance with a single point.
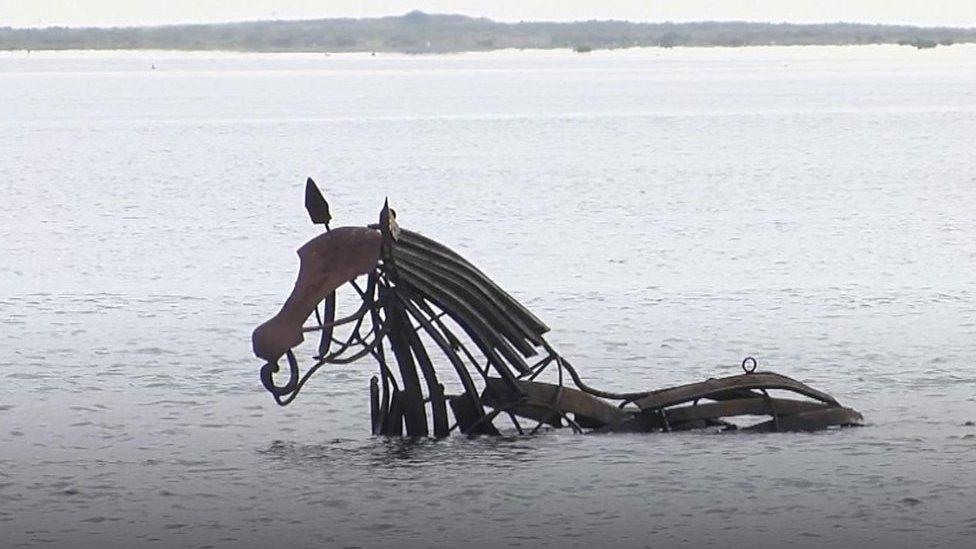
(418, 32)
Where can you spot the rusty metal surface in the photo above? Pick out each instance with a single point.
(420, 292)
(703, 389)
(813, 420)
(742, 407)
(327, 262)
(539, 398)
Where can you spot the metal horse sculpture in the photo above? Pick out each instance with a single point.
(424, 307)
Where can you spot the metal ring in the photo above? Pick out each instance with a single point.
(747, 369)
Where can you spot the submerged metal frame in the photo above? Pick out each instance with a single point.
(420, 289)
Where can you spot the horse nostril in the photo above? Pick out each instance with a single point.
(273, 338)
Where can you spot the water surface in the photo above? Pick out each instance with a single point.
(666, 212)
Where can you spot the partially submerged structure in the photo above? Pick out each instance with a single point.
(426, 312)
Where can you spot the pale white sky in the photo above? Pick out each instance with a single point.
(30, 13)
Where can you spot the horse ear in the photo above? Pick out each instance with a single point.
(318, 208)
(388, 224)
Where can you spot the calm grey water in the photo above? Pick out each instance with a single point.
(666, 212)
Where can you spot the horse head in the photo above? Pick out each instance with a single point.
(416, 287)
(327, 262)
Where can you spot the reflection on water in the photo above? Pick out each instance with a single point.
(666, 212)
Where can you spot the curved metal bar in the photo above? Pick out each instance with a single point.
(454, 341)
(484, 420)
(271, 368)
(539, 367)
(434, 319)
(376, 352)
(366, 350)
(439, 338)
(297, 387)
(358, 315)
(354, 338)
(595, 392)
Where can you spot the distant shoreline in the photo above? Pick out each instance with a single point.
(392, 54)
(420, 33)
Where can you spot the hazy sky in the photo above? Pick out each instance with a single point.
(24, 13)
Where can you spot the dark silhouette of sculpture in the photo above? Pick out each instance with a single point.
(425, 310)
